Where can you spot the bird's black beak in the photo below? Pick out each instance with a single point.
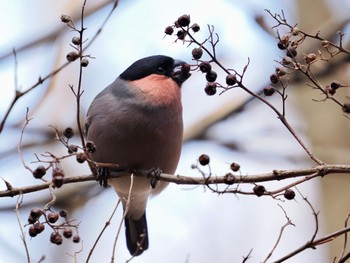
(181, 71)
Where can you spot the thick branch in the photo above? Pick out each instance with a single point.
(275, 175)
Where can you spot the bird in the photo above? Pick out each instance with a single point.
(136, 122)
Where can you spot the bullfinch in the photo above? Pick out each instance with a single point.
(136, 122)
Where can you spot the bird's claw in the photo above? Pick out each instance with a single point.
(102, 176)
(154, 174)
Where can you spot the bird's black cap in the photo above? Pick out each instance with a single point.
(162, 65)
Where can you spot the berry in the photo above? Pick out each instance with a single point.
(325, 43)
(289, 194)
(231, 79)
(31, 220)
(235, 167)
(169, 30)
(72, 56)
(211, 76)
(56, 238)
(63, 213)
(287, 61)
(197, 52)
(52, 217)
(76, 239)
(195, 27)
(67, 233)
(184, 20)
(310, 58)
(292, 52)
(39, 172)
(229, 178)
(57, 177)
(72, 148)
(259, 190)
(330, 90)
(76, 40)
(280, 72)
(210, 88)
(185, 69)
(204, 159)
(81, 157)
(346, 107)
(274, 78)
(269, 91)
(35, 213)
(281, 45)
(181, 34)
(204, 67)
(32, 231)
(84, 62)
(335, 85)
(68, 132)
(39, 227)
(90, 147)
(66, 19)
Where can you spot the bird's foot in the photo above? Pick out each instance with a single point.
(102, 176)
(154, 174)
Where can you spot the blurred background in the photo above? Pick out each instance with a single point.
(186, 223)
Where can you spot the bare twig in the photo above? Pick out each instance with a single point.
(128, 201)
(288, 223)
(102, 231)
(20, 142)
(18, 204)
(41, 80)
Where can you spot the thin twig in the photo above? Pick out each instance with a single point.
(102, 231)
(21, 140)
(289, 222)
(18, 204)
(41, 80)
(127, 206)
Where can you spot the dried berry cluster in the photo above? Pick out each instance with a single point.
(184, 32)
(76, 43)
(58, 173)
(260, 190)
(38, 218)
(292, 61)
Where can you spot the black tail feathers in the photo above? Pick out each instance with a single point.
(136, 235)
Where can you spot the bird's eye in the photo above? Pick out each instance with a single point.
(160, 70)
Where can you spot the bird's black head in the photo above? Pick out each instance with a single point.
(161, 65)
